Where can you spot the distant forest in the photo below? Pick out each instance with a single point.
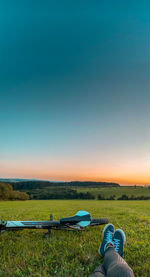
(25, 185)
(24, 190)
(58, 190)
(7, 193)
(48, 190)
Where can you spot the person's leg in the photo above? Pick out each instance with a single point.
(107, 238)
(112, 250)
(99, 272)
(115, 265)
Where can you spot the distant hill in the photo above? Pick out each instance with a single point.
(42, 183)
(11, 180)
(37, 189)
(27, 185)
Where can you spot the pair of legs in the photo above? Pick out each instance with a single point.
(112, 250)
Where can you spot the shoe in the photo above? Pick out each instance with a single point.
(119, 239)
(108, 233)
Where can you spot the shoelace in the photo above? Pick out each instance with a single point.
(116, 244)
(108, 239)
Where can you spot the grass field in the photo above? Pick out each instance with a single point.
(27, 253)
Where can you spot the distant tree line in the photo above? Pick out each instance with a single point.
(132, 197)
(27, 185)
(29, 190)
(7, 193)
(59, 193)
(123, 197)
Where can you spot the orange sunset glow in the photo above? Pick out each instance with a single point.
(125, 174)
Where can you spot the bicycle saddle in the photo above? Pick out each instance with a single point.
(81, 218)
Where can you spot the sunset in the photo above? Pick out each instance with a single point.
(74, 169)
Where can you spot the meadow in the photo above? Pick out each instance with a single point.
(72, 254)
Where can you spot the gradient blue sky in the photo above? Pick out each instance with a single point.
(75, 90)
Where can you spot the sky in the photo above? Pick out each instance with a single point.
(75, 90)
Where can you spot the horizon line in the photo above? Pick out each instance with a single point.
(64, 181)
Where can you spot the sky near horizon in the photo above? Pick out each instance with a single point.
(75, 90)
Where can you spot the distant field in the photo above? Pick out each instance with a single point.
(117, 191)
(70, 192)
(72, 254)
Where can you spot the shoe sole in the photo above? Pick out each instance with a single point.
(103, 236)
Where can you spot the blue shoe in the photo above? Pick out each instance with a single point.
(119, 239)
(108, 233)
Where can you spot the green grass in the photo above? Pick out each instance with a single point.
(27, 253)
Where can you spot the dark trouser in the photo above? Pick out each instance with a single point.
(113, 266)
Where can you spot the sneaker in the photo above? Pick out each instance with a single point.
(108, 233)
(119, 239)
